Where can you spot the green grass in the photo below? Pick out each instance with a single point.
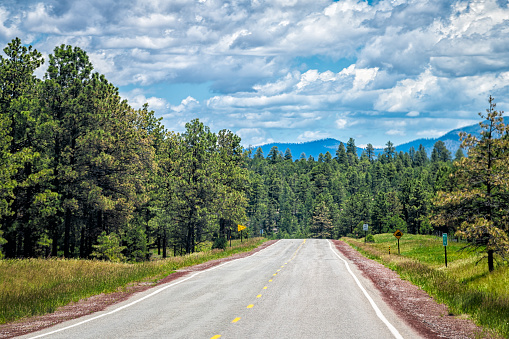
(38, 286)
(464, 286)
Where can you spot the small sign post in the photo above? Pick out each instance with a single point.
(239, 229)
(365, 229)
(444, 238)
(398, 234)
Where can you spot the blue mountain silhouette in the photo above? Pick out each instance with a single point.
(314, 148)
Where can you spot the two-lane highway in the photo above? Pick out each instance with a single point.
(292, 289)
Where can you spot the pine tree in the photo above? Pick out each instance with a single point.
(21, 166)
(288, 155)
(459, 155)
(274, 155)
(440, 152)
(108, 248)
(351, 152)
(195, 170)
(341, 156)
(389, 150)
(321, 224)
(63, 101)
(370, 152)
(230, 196)
(421, 157)
(479, 205)
(259, 153)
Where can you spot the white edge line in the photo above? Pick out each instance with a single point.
(379, 313)
(145, 297)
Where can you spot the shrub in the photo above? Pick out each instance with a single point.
(220, 243)
(108, 248)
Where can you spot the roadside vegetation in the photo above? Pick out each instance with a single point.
(85, 175)
(466, 287)
(38, 286)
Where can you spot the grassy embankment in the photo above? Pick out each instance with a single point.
(39, 286)
(466, 287)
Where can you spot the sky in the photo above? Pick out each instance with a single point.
(287, 70)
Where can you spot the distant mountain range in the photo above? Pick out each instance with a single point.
(314, 148)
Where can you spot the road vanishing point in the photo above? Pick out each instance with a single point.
(291, 289)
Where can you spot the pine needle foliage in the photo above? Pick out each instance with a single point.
(477, 207)
(321, 222)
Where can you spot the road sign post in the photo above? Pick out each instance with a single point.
(444, 238)
(239, 229)
(398, 234)
(365, 229)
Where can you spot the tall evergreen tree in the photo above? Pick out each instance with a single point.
(351, 152)
(22, 168)
(288, 155)
(478, 205)
(341, 156)
(370, 152)
(421, 157)
(440, 152)
(259, 153)
(459, 155)
(321, 223)
(389, 150)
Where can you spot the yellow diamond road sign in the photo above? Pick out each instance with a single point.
(240, 228)
(398, 234)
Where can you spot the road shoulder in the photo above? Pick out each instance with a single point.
(420, 311)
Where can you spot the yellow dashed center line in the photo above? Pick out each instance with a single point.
(265, 287)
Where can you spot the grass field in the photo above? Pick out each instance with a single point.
(38, 286)
(465, 285)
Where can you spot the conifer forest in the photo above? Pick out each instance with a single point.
(80, 168)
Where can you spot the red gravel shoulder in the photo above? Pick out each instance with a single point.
(412, 304)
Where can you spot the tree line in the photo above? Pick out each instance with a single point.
(78, 164)
(335, 196)
(80, 169)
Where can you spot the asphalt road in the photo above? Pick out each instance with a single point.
(292, 289)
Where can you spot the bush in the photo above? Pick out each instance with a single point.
(108, 248)
(136, 241)
(220, 243)
(370, 238)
